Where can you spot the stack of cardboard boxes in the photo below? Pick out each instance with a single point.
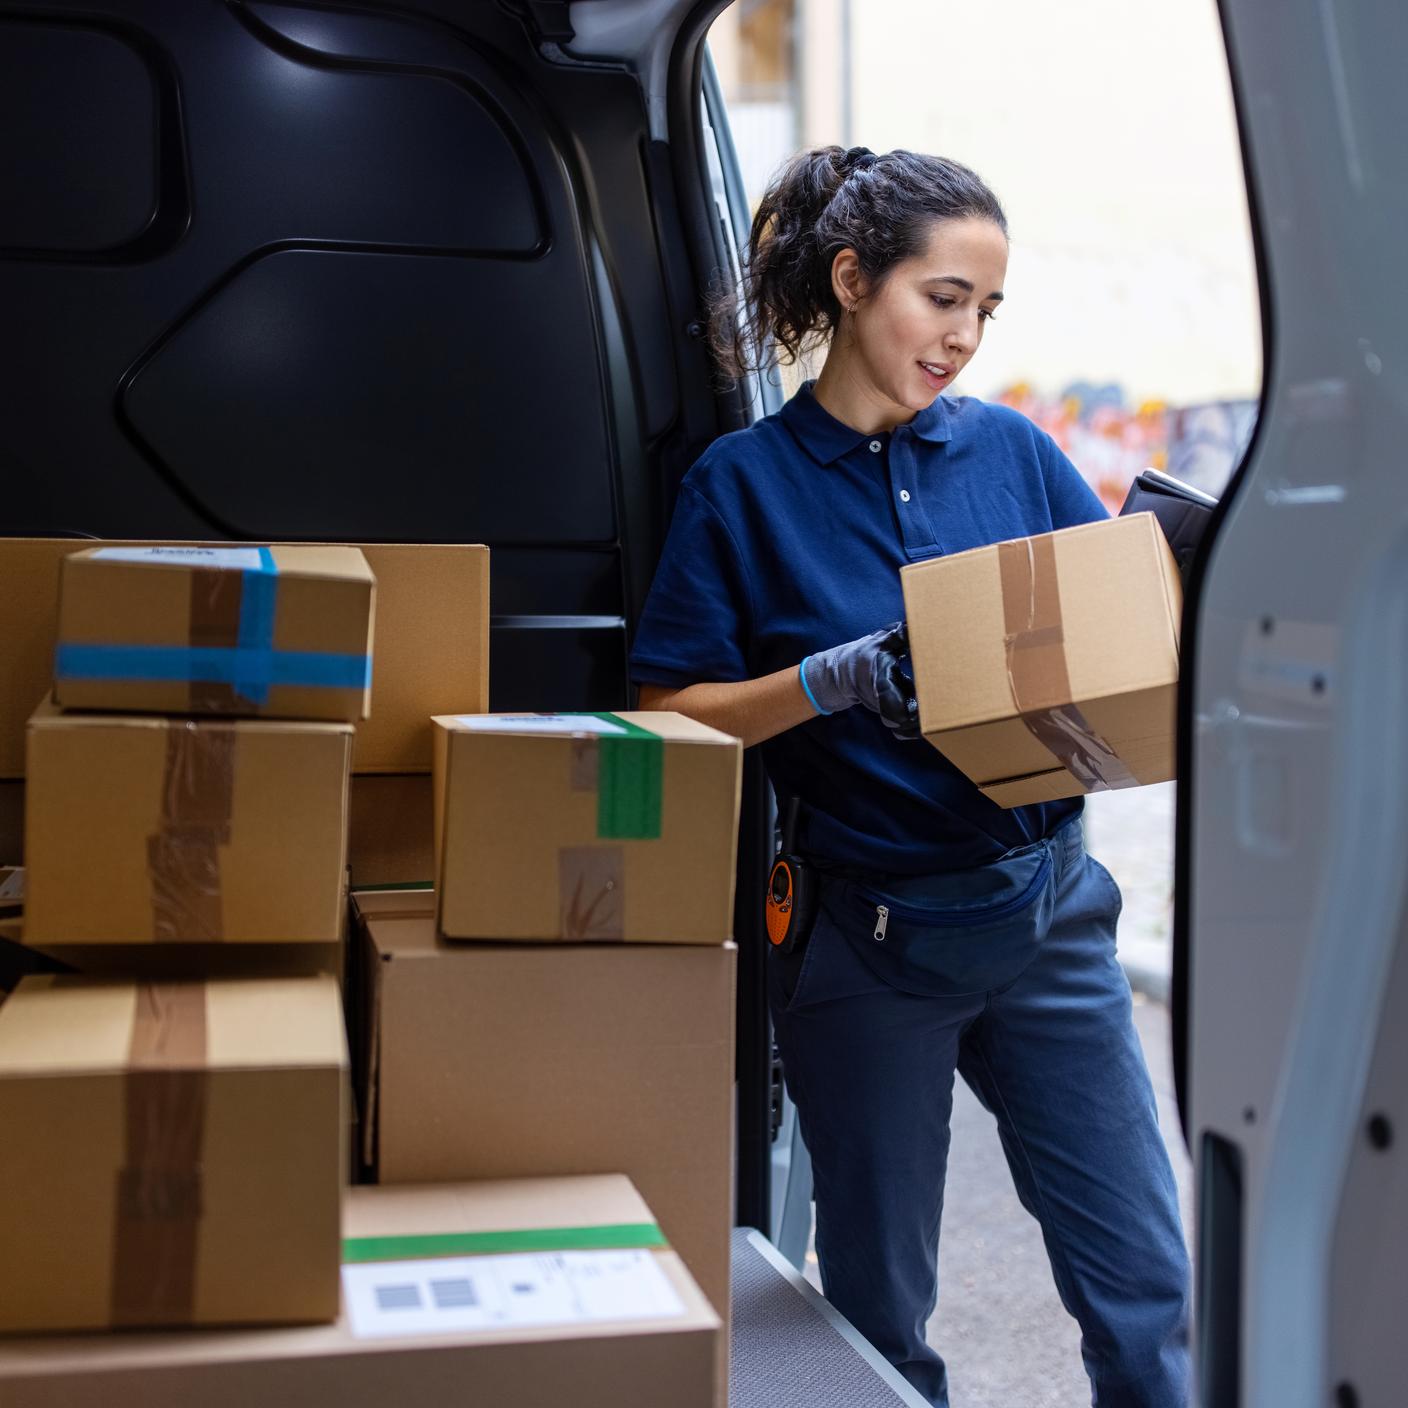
(174, 1137)
(176, 1130)
(563, 1002)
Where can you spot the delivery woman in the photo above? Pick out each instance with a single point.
(951, 935)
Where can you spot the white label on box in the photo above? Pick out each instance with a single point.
(445, 1295)
(537, 723)
(12, 884)
(244, 558)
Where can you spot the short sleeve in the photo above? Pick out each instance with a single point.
(696, 620)
(1069, 496)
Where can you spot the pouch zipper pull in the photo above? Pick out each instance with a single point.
(882, 920)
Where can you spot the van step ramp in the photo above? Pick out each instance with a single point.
(791, 1349)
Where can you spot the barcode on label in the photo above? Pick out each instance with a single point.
(398, 1297)
(457, 1293)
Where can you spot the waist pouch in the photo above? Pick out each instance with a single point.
(954, 935)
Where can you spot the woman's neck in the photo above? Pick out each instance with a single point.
(842, 392)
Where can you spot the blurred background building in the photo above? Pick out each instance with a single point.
(1131, 328)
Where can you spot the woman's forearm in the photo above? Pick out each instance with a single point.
(753, 710)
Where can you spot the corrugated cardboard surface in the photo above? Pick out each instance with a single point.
(271, 1065)
(668, 1363)
(432, 643)
(432, 653)
(495, 1061)
(390, 839)
(99, 791)
(322, 600)
(517, 819)
(1119, 610)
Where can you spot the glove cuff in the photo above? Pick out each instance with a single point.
(807, 689)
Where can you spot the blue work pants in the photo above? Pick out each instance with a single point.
(1054, 1056)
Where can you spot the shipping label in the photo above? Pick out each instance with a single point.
(445, 1295)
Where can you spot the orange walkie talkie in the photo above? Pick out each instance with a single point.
(791, 897)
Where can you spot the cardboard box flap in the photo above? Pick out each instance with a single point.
(676, 728)
(48, 715)
(673, 728)
(390, 900)
(1076, 640)
(62, 1024)
(398, 917)
(504, 1205)
(330, 560)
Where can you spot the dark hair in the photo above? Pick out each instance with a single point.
(821, 202)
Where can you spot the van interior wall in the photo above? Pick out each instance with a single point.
(371, 289)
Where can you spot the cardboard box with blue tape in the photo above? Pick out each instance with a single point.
(282, 632)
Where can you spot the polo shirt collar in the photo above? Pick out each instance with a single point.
(826, 439)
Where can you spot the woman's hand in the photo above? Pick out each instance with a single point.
(866, 671)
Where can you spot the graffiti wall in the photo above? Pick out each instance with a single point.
(1110, 440)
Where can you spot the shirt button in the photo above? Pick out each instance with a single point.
(904, 496)
(875, 446)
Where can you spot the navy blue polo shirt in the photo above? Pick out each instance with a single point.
(788, 538)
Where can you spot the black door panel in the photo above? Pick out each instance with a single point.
(320, 392)
(318, 271)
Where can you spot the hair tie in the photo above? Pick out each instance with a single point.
(859, 159)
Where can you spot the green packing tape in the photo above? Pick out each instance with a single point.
(630, 783)
(611, 1237)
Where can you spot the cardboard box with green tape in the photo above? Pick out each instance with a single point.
(530, 1292)
(585, 828)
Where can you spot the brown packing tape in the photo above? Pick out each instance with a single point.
(216, 595)
(1037, 672)
(586, 764)
(183, 858)
(592, 893)
(159, 1202)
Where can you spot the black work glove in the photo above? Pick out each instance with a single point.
(866, 671)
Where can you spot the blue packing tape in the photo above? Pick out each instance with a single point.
(251, 667)
(259, 590)
(231, 665)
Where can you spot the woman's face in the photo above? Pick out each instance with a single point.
(913, 332)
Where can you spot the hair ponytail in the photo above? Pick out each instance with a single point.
(821, 202)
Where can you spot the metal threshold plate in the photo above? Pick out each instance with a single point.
(791, 1349)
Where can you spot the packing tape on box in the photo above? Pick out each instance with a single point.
(591, 891)
(1037, 671)
(626, 770)
(230, 658)
(621, 1236)
(630, 782)
(183, 857)
(159, 1193)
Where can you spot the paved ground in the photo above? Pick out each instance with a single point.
(1008, 1340)
(1000, 1325)
(1132, 833)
